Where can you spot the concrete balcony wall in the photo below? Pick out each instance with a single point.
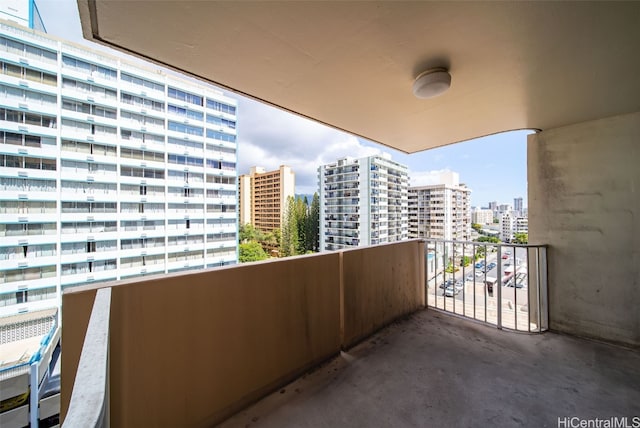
(381, 283)
(584, 202)
(192, 349)
(188, 350)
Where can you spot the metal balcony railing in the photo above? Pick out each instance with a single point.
(499, 284)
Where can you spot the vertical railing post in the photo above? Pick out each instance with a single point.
(544, 307)
(464, 279)
(34, 411)
(453, 276)
(498, 284)
(533, 287)
(473, 263)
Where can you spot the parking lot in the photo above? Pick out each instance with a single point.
(472, 290)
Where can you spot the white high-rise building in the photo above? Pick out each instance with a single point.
(362, 202)
(22, 12)
(482, 216)
(507, 222)
(441, 211)
(518, 206)
(107, 171)
(510, 224)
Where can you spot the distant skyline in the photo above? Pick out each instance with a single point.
(494, 167)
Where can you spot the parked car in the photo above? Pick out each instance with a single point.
(447, 283)
(505, 256)
(479, 273)
(450, 291)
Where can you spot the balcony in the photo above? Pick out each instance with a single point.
(260, 326)
(582, 172)
(238, 332)
(203, 346)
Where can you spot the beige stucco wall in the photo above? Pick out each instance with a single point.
(381, 283)
(188, 350)
(584, 201)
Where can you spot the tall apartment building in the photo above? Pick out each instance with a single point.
(482, 216)
(107, 171)
(441, 211)
(517, 206)
(512, 223)
(503, 208)
(22, 12)
(263, 196)
(362, 202)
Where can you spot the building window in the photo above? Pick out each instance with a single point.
(91, 69)
(221, 107)
(177, 94)
(185, 112)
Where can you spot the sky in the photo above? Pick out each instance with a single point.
(494, 167)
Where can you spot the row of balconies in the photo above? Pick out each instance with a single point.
(341, 186)
(88, 250)
(342, 225)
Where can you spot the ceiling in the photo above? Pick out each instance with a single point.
(351, 64)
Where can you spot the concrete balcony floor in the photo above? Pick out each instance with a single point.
(437, 370)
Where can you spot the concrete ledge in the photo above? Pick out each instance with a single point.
(89, 400)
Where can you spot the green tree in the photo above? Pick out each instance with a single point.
(451, 269)
(490, 239)
(477, 227)
(301, 214)
(249, 232)
(465, 261)
(271, 240)
(252, 252)
(521, 238)
(313, 228)
(289, 242)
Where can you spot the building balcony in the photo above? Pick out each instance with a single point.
(582, 178)
(26, 84)
(83, 76)
(274, 327)
(438, 370)
(69, 92)
(32, 106)
(87, 277)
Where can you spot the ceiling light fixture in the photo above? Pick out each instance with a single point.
(431, 83)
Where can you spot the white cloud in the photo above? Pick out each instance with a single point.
(427, 178)
(269, 137)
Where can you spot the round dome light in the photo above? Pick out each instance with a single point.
(432, 83)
